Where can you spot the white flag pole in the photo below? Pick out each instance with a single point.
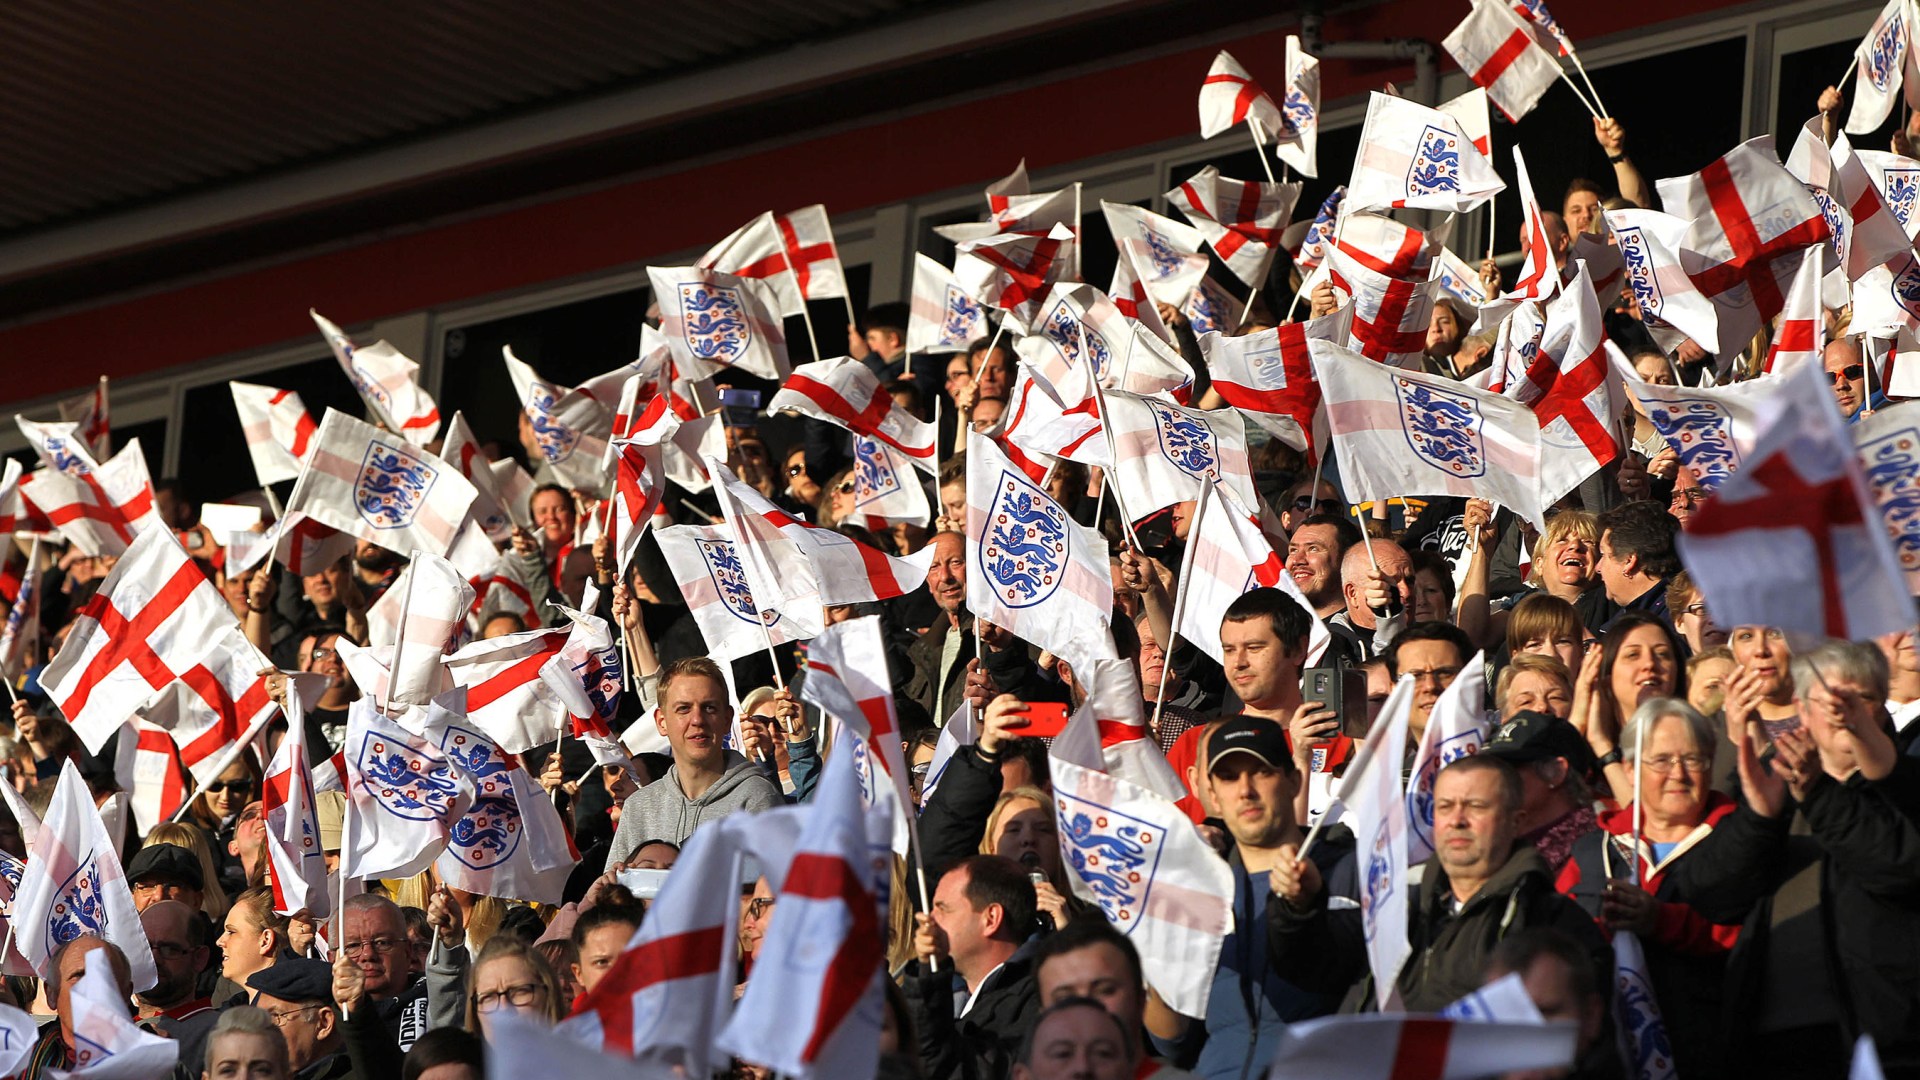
(1180, 598)
(1112, 478)
(794, 276)
(1639, 814)
(1571, 85)
(853, 321)
(1574, 55)
(1260, 149)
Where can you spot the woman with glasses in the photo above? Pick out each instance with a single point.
(1669, 747)
(509, 975)
(216, 810)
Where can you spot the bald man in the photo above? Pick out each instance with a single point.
(1376, 599)
(54, 1047)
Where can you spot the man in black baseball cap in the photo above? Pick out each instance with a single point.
(1554, 761)
(165, 872)
(298, 994)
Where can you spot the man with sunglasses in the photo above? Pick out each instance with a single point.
(1847, 374)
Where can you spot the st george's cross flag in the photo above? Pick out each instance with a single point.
(1539, 274)
(570, 428)
(507, 699)
(1746, 211)
(1898, 179)
(1117, 703)
(1665, 298)
(844, 570)
(1129, 292)
(377, 487)
(59, 445)
(1012, 271)
(706, 565)
(1802, 334)
(1030, 566)
(1461, 281)
(22, 623)
(1407, 433)
(89, 414)
(1882, 59)
(1414, 157)
(1229, 557)
(1162, 886)
(149, 623)
(1579, 393)
(886, 489)
(74, 884)
(404, 796)
(714, 319)
(1410, 1047)
(587, 676)
(1309, 245)
(1241, 220)
(510, 842)
(844, 392)
(793, 253)
(942, 317)
(1078, 325)
(1390, 314)
(1299, 137)
(107, 1044)
(305, 546)
(1866, 231)
(217, 703)
(639, 491)
(1888, 446)
(1164, 453)
(1268, 375)
(388, 383)
(1499, 52)
(158, 783)
(97, 508)
(1456, 727)
(1793, 537)
(300, 880)
(847, 679)
(1230, 97)
(1043, 427)
(277, 428)
(434, 601)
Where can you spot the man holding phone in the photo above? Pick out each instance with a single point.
(1264, 639)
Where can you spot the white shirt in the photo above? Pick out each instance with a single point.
(974, 994)
(1904, 713)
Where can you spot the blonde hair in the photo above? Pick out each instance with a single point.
(1024, 793)
(512, 948)
(1549, 666)
(213, 899)
(1566, 523)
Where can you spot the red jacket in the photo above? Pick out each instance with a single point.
(1600, 855)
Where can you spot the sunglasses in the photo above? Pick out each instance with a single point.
(1307, 502)
(238, 787)
(1852, 373)
(845, 488)
(796, 470)
(323, 654)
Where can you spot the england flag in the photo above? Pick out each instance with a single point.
(1888, 446)
(1268, 376)
(1498, 51)
(845, 392)
(217, 704)
(380, 488)
(461, 449)
(73, 884)
(404, 796)
(1366, 1047)
(1164, 454)
(1637, 1012)
(1299, 136)
(510, 842)
(107, 1044)
(1376, 810)
(1229, 97)
(1882, 59)
(707, 567)
(886, 489)
(287, 807)
(843, 570)
(1665, 298)
(847, 679)
(1711, 428)
(1802, 334)
(387, 382)
(1165, 250)
(1580, 395)
(570, 427)
(1390, 314)
(434, 601)
(1539, 274)
(588, 676)
(1241, 220)
(942, 317)
(793, 253)
(710, 318)
(507, 699)
(1227, 558)
(1456, 727)
(277, 428)
(1411, 157)
(1012, 271)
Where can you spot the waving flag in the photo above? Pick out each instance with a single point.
(1500, 54)
(1227, 558)
(387, 382)
(1801, 336)
(942, 318)
(886, 490)
(570, 427)
(97, 508)
(23, 618)
(106, 1042)
(1407, 433)
(1415, 157)
(1163, 886)
(11, 510)
(1377, 812)
(1117, 705)
(844, 570)
(1390, 314)
(1316, 236)
(1161, 253)
(706, 564)
(510, 842)
(1668, 301)
(305, 546)
(73, 884)
(1032, 568)
(1012, 271)
(1712, 428)
(1365, 1047)
(587, 676)
(1746, 211)
(300, 880)
(1793, 537)
(847, 679)
(1898, 179)
(1044, 427)
(1888, 446)
(59, 445)
(639, 491)
(845, 392)
(1211, 308)
(1456, 727)
(793, 253)
(1539, 274)
(1578, 400)
(1164, 454)
(507, 699)
(1299, 136)
(712, 318)
(435, 599)
(376, 487)
(88, 413)
(1882, 61)
(277, 427)
(1241, 220)
(405, 797)
(1867, 233)
(461, 449)
(1635, 1009)
(1268, 376)
(217, 704)
(1461, 281)
(1229, 97)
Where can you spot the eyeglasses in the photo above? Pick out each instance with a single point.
(519, 997)
(323, 653)
(1697, 610)
(845, 488)
(1689, 496)
(759, 906)
(1853, 372)
(1441, 675)
(1307, 502)
(379, 945)
(280, 1018)
(1664, 763)
(238, 787)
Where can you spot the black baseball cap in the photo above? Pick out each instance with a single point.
(166, 862)
(295, 979)
(1530, 736)
(1254, 735)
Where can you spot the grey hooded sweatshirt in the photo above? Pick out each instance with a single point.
(662, 811)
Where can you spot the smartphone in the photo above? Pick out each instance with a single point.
(741, 407)
(1045, 719)
(643, 884)
(1342, 689)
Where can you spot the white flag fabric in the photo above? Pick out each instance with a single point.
(1668, 302)
(1881, 60)
(1242, 221)
(1134, 853)
(90, 415)
(1580, 396)
(1367, 1047)
(148, 624)
(1164, 249)
(713, 318)
(1539, 274)
(1376, 809)
(1299, 137)
(218, 702)
(506, 697)
(277, 428)
(1268, 375)
(1792, 538)
(376, 487)
(1229, 557)
(1012, 271)
(942, 318)
(1229, 97)
(523, 1047)
(793, 253)
(74, 884)
(1637, 1012)
(1499, 53)
(1461, 281)
(387, 382)
(1712, 428)
(1866, 1061)
(1405, 433)
(1412, 156)
(707, 567)
(461, 449)
(17, 1042)
(434, 601)
(23, 617)
(403, 794)
(845, 570)
(1138, 298)
(1079, 326)
(107, 1044)
(1746, 210)
(1031, 568)
(886, 490)
(1504, 1000)
(1390, 313)
(847, 678)
(845, 392)
(510, 842)
(570, 427)
(958, 731)
(1163, 453)
(1802, 334)
(1888, 445)
(1898, 179)
(1116, 710)
(59, 446)
(588, 676)
(300, 880)
(99, 509)
(1456, 727)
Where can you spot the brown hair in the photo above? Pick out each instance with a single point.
(689, 665)
(507, 947)
(1524, 662)
(1544, 616)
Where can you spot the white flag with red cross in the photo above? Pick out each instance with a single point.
(793, 253)
(507, 698)
(1130, 295)
(847, 678)
(1012, 271)
(1164, 454)
(147, 625)
(1240, 219)
(942, 317)
(97, 508)
(434, 601)
(847, 571)
(570, 428)
(59, 445)
(74, 884)
(1299, 136)
(387, 382)
(305, 546)
(1117, 704)
(288, 810)
(461, 449)
(714, 319)
(1308, 241)
(1367, 1046)
(588, 676)
(377, 487)
(159, 781)
(1500, 53)
(1882, 59)
(1390, 314)
(1747, 211)
(277, 428)
(1230, 558)
(88, 413)
(1866, 233)
(1229, 97)
(1044, 427)
(1898, 179)
(1414, 157)
(706, 565)
(1802, 334)
(1663, 297)
(1579, 395)
(1539, 274)
(1268, 375)
(1165, 249)
(1078, 326)
(846, 393)
(886, 489)
(218, 702)
(1793, 538)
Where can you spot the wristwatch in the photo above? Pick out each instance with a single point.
(1611, 757)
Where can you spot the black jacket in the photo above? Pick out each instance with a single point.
(924, 686)
(955, 817)
(982, 1044)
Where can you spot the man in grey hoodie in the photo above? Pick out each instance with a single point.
(707, 781)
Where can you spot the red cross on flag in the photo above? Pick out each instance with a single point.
(287, 808)
(1229, 97)
(1411, 156)
(1012, 271)
(793, 253)
(277, 428)
(1243, 221)
(1802, 334)
(1866, 231)
(842, 570)
(1498, 51)
(1746, 211)
(388, 383)
(1390, 314)
(148, 624)
(1793, 537)
(1230, 557)
(1540, 274)
(1882, 59)
(1407, 1047)
(844, 392)
(217, 702)
(1054, 421)
(1268, 375)
(506, 697)
(1130, 295)
(847, 678)
(1579, 395)
(88, 412)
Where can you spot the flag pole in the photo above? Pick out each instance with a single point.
(1100, 395)
(1366, 539)
(1851, 67)
(1259, 148)
(1180, 598)
(1574, 55)
(1639, 814)
(805, 317)
(1576, 92)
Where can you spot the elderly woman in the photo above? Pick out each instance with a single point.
(1565, 564)
(1669, 747)
(1534, 684)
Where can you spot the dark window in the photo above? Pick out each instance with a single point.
(214, 463)
(1803, 75)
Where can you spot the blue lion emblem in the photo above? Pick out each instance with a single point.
(405, 782)
(489, 832)
(1701, 432)
(64, 459)
(1268, 365)
(556, 440)
(600, 674)
(1161, 254)
(1902, 184)
(1883, 59)
(1024, 552)
(1378, 878)
(962, 317)
(1893, 470)
(1442, 427)
(1116, 854)
(1204, 310)
(1640, 276)
(1063, 328)
(1186, 442)
(874, 476)
(1906, 287)
(78, 907)
(1830, 210)
(1435, 168)
(393, 484)
(1420, 787)
(730, 578)
(1296, 109)
(1647, 1036)
(1467, 289)
(717, 327)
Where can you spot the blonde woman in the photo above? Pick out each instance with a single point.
(1566, 564)
(1022, 828)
